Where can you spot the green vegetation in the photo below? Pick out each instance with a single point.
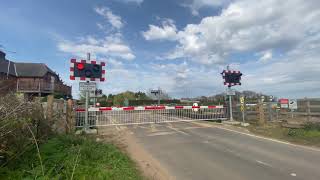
(133, 99)
(71, 157)
(308, 135)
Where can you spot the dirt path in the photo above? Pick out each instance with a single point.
(124, 139)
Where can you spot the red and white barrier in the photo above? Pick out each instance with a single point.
(132, 108)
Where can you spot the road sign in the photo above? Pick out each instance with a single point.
(242, 100)
(96, 93)
(87, 86)
(242, 103)
(293, 104)
(231, 92)
(284, 103)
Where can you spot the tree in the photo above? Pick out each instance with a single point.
(118, 100)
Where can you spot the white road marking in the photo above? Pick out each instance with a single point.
(263, 163)
(193, 128)
(206, 142)
(293, 174)
(229, 150)
(161, 133)
(274, 140)
(178, 131)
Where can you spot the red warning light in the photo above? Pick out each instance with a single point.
(80, 66)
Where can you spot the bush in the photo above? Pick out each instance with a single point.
(20, 120)
(312, 126)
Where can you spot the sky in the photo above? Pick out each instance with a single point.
(181, 46)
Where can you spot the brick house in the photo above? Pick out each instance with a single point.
(30, 79)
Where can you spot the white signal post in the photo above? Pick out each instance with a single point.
(93, 71)
(230, 99)
(231, 78)
(86, 123)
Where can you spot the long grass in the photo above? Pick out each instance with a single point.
(72, 157)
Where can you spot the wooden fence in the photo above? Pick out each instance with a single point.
(308, 111)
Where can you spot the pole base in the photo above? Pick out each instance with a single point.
(245, 124)
(231, 122)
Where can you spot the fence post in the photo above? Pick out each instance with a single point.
(69, 117)
(50, 109)
(261, 113)
(270, 111)
(308, 109)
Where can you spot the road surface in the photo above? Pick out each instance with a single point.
(201, 151)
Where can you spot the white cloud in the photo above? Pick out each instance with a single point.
(131, 1)
(167, 31)
(100, 26)
(245, 26)
(196, 5)
(115, 63)
(110, 46)
(284, 35)
(266, 56)
(113, 19)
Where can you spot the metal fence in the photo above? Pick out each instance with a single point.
(144, 115)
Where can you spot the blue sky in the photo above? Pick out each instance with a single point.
(180, 46)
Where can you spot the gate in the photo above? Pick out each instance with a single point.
(108, 116)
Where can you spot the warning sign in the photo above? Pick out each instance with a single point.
(293, 105)
(284, 103)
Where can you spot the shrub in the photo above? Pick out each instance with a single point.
(312, 126)
(20, 118)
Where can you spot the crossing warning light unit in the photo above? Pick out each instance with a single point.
(85, 70)
(231, 78)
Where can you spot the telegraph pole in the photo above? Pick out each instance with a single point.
(159, 96)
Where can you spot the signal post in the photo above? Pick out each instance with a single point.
(87, 72)
(231, 78)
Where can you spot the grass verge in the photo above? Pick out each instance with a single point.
(72, 157)
(308, 135)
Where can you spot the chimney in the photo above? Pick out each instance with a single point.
(2, 56)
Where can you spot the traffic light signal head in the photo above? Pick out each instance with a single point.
(80, 66)
(87, 70)
(231, 78)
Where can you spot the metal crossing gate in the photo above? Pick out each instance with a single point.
(108, 116)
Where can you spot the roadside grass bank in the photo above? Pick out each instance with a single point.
(309, 134)
(72, 157)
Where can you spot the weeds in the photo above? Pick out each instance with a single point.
(63, 159)
(310, 130)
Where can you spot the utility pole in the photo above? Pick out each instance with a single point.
(159, 96)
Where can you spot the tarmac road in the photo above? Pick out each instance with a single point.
(201, 150)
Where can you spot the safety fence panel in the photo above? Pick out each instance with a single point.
(107, 116)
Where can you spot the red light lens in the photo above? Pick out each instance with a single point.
(80, 66)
